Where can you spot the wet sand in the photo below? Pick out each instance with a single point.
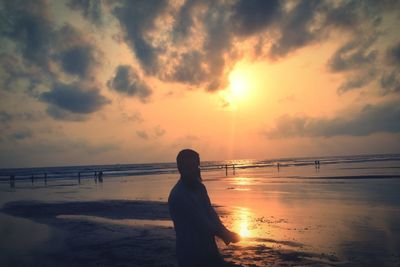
(133, 233)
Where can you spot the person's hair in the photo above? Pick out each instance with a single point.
(184, 156)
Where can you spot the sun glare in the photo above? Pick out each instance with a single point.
(238, 86)
(240, 90)
(242, 222)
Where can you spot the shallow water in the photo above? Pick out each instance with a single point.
(349, 212)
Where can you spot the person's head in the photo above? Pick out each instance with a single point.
(188, 162)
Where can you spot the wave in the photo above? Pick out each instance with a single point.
(88, 171)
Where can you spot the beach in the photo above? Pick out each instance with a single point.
(345, 213)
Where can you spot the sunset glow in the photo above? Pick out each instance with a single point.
(241, 225)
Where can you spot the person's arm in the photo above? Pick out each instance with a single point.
(222, 232)
(186, 210)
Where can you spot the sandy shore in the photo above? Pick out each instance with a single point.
(133, 233)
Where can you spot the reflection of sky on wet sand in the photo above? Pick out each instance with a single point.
(338, 217)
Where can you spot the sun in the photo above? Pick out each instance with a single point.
(238, 85)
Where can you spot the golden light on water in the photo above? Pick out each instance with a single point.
(244, 229)
(242, 222)
(241, 181)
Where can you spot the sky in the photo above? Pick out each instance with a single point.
(108, 82)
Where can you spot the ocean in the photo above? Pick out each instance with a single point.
(116, 170)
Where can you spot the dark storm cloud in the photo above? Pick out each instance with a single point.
(127, 81)
(90, 9)
(137, 18)
(390, 78)
(390, 82)
(296, 30)
(76, 55)
(353, 55)
(34, 46)
(252, 16)
(184, 19)
(75, 98)
(286, 26)
(190, 69)
(360, 80)
(393, 54)
(77, 60)
(28, 24)
(218, 42)
(371, 119)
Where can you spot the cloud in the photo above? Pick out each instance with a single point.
(5, 117)
(361, 79)
(390, 82)
(158, 131)
(190, 69)
(29, 25)
(371, 119)
(77, 60)
(300, 26)
(61, 114)
(127, 81)
(74, 52)
(74, 98)
(42, 53)
(253, 16)
(137, 20)
(353, 55)
(393, 55)
(133, 117)
(90, 9)
(21, 135)
(142, 134)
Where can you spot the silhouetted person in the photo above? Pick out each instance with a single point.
(79, 177)
(12, 181)
(195, 221)
(226, 169)
(32, 179)
(278, 165)
(45, 179)
(100, 176)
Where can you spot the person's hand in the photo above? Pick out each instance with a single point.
(230, 237)
(235, 237)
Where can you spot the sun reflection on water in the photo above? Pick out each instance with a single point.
(242, 222)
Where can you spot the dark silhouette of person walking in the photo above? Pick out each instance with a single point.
(195, 221)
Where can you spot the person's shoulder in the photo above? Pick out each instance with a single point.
(175, 191)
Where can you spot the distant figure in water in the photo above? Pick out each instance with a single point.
(12, 181)
(100, 176)
(195, 221)
(317, 165)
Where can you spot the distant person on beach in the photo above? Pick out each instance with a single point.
(195, 221)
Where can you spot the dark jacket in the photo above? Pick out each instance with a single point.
(196, 224)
